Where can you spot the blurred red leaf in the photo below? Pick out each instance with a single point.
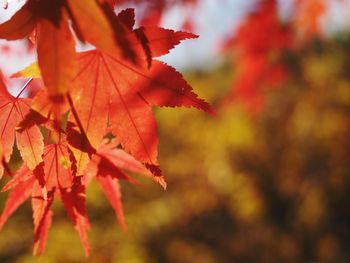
(258, 47)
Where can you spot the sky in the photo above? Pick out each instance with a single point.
(216, 19)
(212, 22)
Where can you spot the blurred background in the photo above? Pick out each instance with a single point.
(266, 180)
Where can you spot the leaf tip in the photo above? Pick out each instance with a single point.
(160, 180)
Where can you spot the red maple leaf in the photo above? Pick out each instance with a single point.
(55, 42)
(308, 15)
(56, 176)
(108, 166)
(258, 49)
(88, 97)
(29, 142)
(112, 88)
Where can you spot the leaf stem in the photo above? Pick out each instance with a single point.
(24, 87)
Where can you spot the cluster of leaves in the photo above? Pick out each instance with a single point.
(277, 184)
(264, 42)
(93, 117)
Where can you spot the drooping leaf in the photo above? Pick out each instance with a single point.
(42, 218)
(29, 142)
(121, 159)
(111, 189)
(41, 235)
(54, 174)
(111, 161)
(107, 167)
(74, 202)
(22, 174)
(20, 193)
(56, 56)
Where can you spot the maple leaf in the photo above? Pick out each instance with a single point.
(57, 169)
(110, 186)
(74, 202)
(259, 46)
(127, 92)
(107, 166)
(130, 93)
(54, 175)
(107, 92)
(308, 15)
(56, 45)
(29, 142)
(113, 89)
(42, 218)
(56, 53)
(111, 162)
(22, 185)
